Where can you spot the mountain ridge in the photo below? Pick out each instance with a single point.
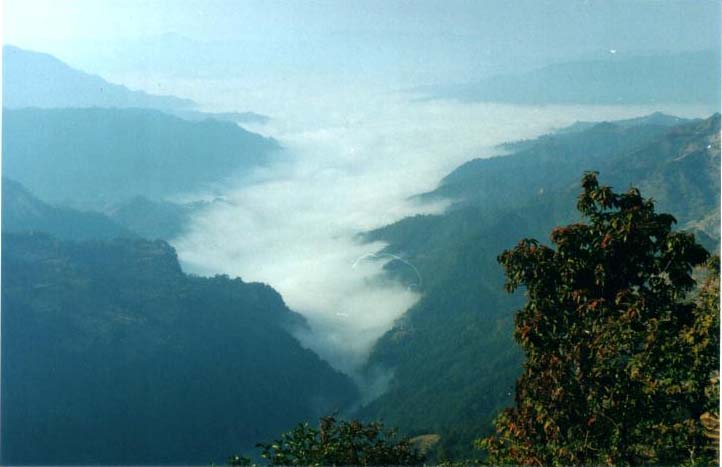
(37, 79)
(95, 157)
(23, 212)
(459, 335)
(691, 77)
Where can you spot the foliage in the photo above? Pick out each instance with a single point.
(453, 356)
(236, 461)
(619, 360)
(341, 443)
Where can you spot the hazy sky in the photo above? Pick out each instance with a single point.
(417, 41)
(642, 24)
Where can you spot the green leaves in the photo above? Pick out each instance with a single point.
(340, 443)
(618, 358)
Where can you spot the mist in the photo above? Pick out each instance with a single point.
(351, 162)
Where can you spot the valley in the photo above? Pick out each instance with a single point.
(185, 276)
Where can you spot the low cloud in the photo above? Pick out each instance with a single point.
(352, 160)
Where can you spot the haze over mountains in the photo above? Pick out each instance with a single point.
(23, 212)
(33, 79)
(374, 221)
(95, 157)
(691, 77)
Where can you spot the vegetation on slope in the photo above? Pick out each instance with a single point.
(452, 355)
(619, 362)
(111, 355)
(339, 442)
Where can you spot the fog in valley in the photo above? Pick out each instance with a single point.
(215, 228)
(341, 85)
(352, 163)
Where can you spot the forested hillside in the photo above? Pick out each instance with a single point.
(452, 355)
(111, 355)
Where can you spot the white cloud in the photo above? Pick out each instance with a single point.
(353, 159)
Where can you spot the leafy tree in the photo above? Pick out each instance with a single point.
(703, 337)
(341, 443)
(236, 460)
(619, 359)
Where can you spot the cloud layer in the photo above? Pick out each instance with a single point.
(351, 162)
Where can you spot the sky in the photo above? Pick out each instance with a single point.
(409, 42)
(645, 24)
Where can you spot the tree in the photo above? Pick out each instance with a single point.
(237, 461)
(340, 443)
(619, 359)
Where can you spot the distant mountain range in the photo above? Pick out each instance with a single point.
(139, 217)
(656, 118)
(452, 355)
(93, 158)
(33, 79)
(75, 140)
(23, 212)
(112, 355)
(235, 117)
(99, 303)
(686, 78)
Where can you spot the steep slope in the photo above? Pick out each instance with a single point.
(32, 79)
(92, 158)
(111, 355)
(452, 355)
(684, 78)
(543, 165)
(677, 165)
(23, 212)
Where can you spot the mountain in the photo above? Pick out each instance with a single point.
(674, 164)
(452, 355)
(93, 158)
(235, 117)
(33, 79)
(656, 118)
(154, 219)
(112, 355)
(510, 181)
(23, 212)
(684, 78)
